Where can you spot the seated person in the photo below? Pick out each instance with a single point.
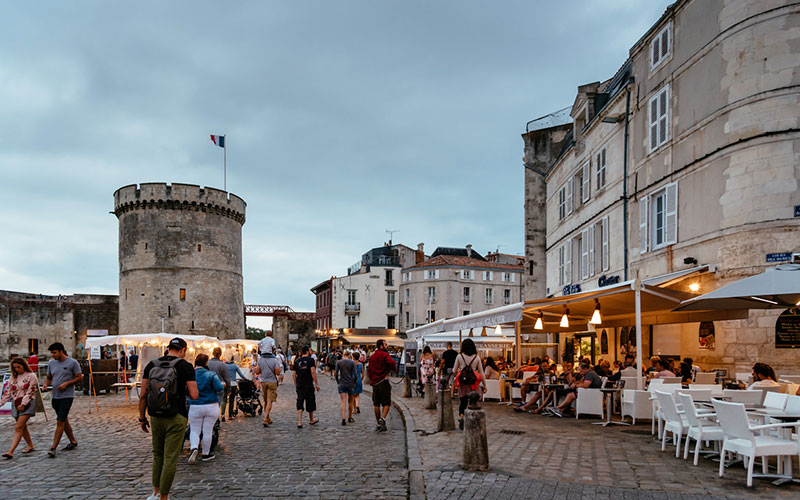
(542, 376)
(695, 369)
(686, 373)
(603, 368)
(530, 380)
(653, 364)
(566, 378)
(662, 365)
(763, 377)
(589, 380)
(491, 371)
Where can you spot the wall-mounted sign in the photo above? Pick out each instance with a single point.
(787, 329)
(706, 335)
(779, 257)
(571, 289)
(607, 280)
(797, 210)
(96, 333)
(603, 342)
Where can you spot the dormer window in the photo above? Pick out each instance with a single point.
(661, 46)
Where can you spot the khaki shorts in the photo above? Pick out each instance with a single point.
(269, 391)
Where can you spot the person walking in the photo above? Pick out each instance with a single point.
(203, 411)
(63, 373)
(217, 366)
(234, 373)
(304, 376)
(166, 383)
(271, 373)
(469, 376)
(446, 366)
(357, 357)
(345, 376)
(21, 392)
(378, 369)
(33, 363)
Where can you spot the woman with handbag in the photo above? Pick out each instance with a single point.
(21, 390)
(469, 376)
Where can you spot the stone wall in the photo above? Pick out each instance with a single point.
(180, 258)
(284, 331)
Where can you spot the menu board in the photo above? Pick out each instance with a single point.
(706, 338)
(787, 329)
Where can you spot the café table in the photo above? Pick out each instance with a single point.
(609, 393)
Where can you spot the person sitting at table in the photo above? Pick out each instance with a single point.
(686, 373)
(491, 371)
(589, 380)
(529, 379)
(603, 368)
(763, 377)
(663, 369)
(542, 377)
(695, 369)
(654, 364)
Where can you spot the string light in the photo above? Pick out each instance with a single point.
(539, 322)
(596, 319)
(498, 330)
(694, 287)
(564, 318)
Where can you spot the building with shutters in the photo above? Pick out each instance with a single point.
(687, 160)
(457, 281)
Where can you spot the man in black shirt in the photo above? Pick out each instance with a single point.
(169, 426)
(589, 380)
(304, 374)
(448, 362)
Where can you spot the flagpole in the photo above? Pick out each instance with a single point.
(225, 165)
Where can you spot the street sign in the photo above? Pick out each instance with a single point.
(779, 257)
(797, 210)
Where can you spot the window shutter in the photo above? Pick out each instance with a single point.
(604, 243)
(643, 216)
(663, 119)
(665, 42)
(653, 123)
(584, 250)
(561, 265)
(513, 277)
(586, 182)
(436, 274)
(592, 231)
(568, 263)
(672, 213)
(569, 196)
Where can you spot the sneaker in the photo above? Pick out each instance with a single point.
(154, 497)
(51, 453)
(70, 446)
(209, 457)
(382, 424)
(193, 456)
(556, 412)
(461, 424)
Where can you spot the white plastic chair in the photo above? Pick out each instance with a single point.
(705, 378)
(775, 400)
(655, 384)
(670, 388)
(589, 402)
(790, 378)
(742, 438)
(700, 428)
(745, 377)
(630, 382)
(696, 394)
(492, 390)
(672, 380)
(716, 389)
(674, 421)
(746, 397)
(636, 404)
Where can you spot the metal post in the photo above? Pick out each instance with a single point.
(225, 165)
(637, 286)
(518, 340)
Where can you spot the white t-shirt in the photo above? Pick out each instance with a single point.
(763, 383)
(266, 345)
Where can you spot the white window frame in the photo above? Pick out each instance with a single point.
(391, 299)
(562, 202)
(583, 246)
(661, 47)
(658, 119)
(351, 321)
(489, 296)
(583, 183)
(590, 241)
(561, 263)
(600, 168)
(507, 296)
(432, 274)
(648, 218)
(407, 296)
(467, 274)
(568, 262)
(431, 297)
(467, 294)
(488, 276)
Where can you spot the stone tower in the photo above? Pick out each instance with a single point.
(180, 260)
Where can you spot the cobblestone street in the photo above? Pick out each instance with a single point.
(325, 461)
(549, 457)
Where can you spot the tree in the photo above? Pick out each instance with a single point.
(253, 333)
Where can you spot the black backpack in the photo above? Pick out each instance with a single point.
(466, 377)
(162, 388)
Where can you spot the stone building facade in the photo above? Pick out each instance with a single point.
(180, 260)
(31, 322)
(457, 281)
(701, 133)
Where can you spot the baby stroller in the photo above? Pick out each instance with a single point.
(248, 399)
(214, 436)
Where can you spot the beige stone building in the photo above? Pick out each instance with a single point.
(457, 281)
(688, 159)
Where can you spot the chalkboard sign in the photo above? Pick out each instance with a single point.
(787, 329)
(603, 342)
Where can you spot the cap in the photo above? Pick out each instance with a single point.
(177, 343)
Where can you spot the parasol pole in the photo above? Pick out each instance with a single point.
(91, 381)
(125, 372)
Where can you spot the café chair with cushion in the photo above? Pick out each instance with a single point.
(745, 397)
(590, 401)
(751, 441)
(675, 421)
(636, 404)
(492, 390)
(705, 378)
(700, 428)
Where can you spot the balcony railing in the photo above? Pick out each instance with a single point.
(352, 308)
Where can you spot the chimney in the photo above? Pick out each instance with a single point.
(420, 254)
(469, 250)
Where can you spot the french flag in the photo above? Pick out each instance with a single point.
(219, 140)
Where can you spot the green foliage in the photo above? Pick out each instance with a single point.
(253, 333)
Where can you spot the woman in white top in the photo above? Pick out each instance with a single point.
(491, 372)
(467, 357)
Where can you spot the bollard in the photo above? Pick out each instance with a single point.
(406, 387)
(446, 420)
(476, 447)
(430, 395)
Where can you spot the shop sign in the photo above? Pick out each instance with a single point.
(607, 280)
(706, 337)
(787, 329)
(779, 257)
(571, 289)
(96, 333)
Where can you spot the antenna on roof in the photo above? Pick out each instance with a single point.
(391, 232)
(498, 248)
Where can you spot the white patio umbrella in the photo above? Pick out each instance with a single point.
(776, 288)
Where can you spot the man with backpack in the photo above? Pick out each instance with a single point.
(166, 382)
(378, 369)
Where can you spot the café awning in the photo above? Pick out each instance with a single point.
(505, 315)
(372, 339)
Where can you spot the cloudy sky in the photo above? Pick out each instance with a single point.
(344, 119)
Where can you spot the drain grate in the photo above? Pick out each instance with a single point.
(510, 431)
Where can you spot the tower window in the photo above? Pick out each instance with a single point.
(169, 311)
(183, 294)
(199, 247)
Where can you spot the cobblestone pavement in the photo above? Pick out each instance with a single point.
(568, 458)
(325, 461)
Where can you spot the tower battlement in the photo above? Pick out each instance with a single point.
(177, 196)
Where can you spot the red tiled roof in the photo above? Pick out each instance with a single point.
(461, 261)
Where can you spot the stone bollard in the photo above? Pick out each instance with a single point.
(406, 387)
(446, 420)
(476, 447)
(430, 396)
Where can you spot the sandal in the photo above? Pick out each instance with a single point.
(7, 456)
(300, 426)
(52, 453)
(314, 422)
(351, 419)
(29, 450)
